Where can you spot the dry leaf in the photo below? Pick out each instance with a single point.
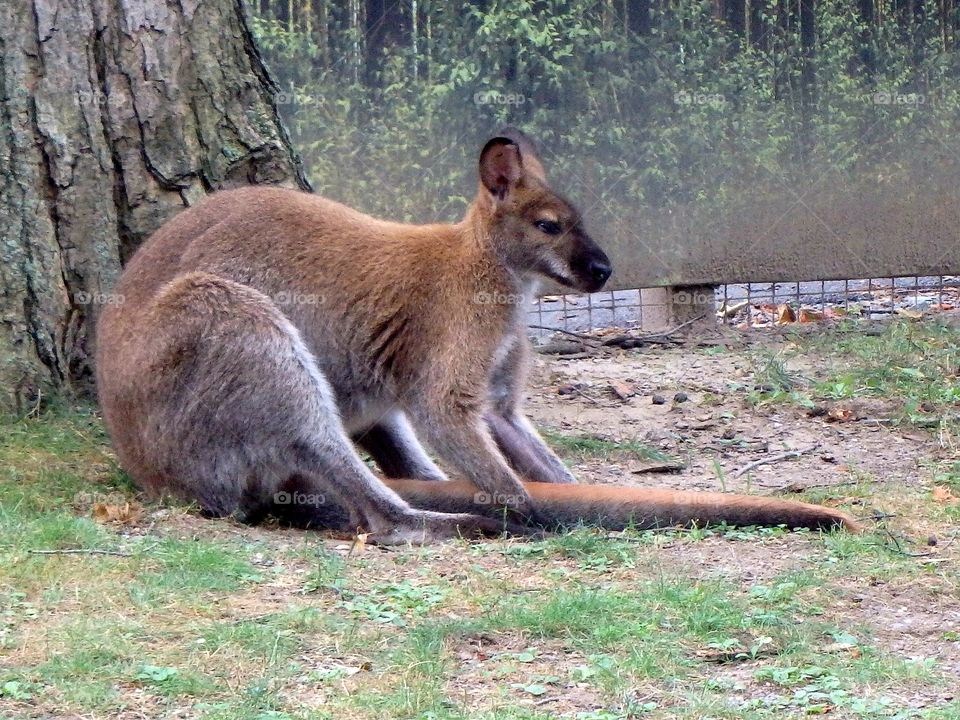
(912, 314)
(359, 543)
(785, 315)
(944, 495)
(849, 648)
(838, 414)
(810, 316)
(837, 502)
(622, 390)
(722, 656)
(124, 514)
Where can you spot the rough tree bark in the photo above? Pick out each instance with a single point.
(114, 115)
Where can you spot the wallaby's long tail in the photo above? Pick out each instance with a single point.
(616, 507)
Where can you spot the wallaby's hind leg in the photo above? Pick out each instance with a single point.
(393, 445)
(517, 439)
(235, 406)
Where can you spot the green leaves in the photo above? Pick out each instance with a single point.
(156, 674)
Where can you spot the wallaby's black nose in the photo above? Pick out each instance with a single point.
(600, 271)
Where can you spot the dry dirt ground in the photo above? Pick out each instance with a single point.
(715, 432)
(714, 425)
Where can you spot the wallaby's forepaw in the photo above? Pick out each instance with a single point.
(423, 528)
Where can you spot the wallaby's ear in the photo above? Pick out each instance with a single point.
(528, 150)
(501, 166)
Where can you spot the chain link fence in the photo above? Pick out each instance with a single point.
(751, 304)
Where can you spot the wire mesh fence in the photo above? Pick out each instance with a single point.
(752, 304)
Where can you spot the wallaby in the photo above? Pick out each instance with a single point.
(265, 331)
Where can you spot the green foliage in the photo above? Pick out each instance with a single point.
(915, 364)
(686, 114)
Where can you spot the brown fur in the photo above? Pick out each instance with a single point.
(264, 329)
(616, 507)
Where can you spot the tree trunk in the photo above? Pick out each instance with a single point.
(385, 23)
(638, 16)
(736, 16)
(867, 57)
(808, 75)
(115, 115)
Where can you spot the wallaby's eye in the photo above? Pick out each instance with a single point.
(548, 226)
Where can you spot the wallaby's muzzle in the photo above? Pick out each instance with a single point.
(590, 265)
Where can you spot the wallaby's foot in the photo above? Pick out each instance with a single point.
(422, 527)
(250, 515)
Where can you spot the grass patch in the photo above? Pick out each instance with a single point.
(914, 365)
(202, 619)
(584, 447)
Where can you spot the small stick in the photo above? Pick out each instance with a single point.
(775, 458)
(580, 392)
(952, 541)
(81, 551)
(797, 487)
(901, 551)
(678, 328)
(578, 336)
(657, 337)
(641, 338)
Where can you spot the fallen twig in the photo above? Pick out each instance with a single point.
(632, 341)
(580, 392)
(81, 551)
(622, 341)
(898, 548)
(801, 487)
(775, 458)
(659, 466)
(571, 333)
(678, 328)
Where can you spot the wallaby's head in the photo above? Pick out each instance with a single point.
(534, 229)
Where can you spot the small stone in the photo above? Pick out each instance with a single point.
(729, 434)
(932, 541)
(658, 400)
(657, 434)
(680, 397)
